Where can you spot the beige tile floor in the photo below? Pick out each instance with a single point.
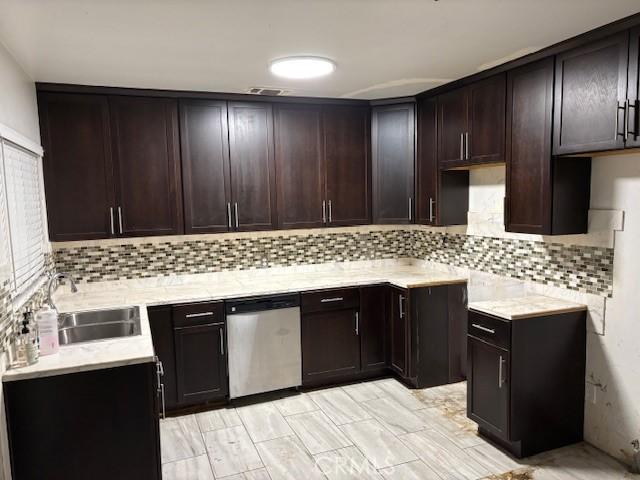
(371, 430)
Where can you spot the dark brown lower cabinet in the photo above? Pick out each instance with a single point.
(398, 331)
(330, 335)
(437, 339)
(101, 424)
(373, 327)
(201, 357)
(161, 324)
(525, 380)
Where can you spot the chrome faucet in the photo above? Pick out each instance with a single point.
(53, 284)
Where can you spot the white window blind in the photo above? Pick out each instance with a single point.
(6, 268)
(24, 206)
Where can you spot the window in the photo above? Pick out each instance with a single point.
(22, 210)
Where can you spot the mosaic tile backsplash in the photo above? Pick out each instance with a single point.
(582, 268)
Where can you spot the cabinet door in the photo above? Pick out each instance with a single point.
(529, 118)
(161, 325)
(299, 166)
(398, 332)
(393, 152)
(330, 345)
(205, 166)
(485, 141)
(346, 147)
(147, 167)
(78, 171)
(591, 82)
(452, 126)
(372, 327)
(633, 134)
(201, 364)
(427, 162)
(252, 166)
(488, 386)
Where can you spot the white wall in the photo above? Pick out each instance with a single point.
(18, 107)
(612, 415)
(19, 111)
(613, 360)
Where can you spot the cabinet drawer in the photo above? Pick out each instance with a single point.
(193, 314)
(490, 329)
(330, 300)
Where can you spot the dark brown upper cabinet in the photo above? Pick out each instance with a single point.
(146, 165)
(205, 166)
(471, 123)
(251, 157)
(348, 176)
(393, 158)
(78, 169)
(633, 90)
(545, 195)
(322, 165)
(592, 108)
(228, 167)
(442, 197)
(299, 166)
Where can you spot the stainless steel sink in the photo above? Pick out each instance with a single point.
(78, 327)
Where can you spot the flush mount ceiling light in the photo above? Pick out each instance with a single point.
(302, 67)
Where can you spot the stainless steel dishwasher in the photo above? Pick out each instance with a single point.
(265, 353)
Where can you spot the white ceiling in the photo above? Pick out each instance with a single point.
(383, 48)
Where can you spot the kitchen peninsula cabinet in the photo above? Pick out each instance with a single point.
(525, 379)
(544, 195)
(393, 159)
(146, 163)
(68, 421)
(471, 124)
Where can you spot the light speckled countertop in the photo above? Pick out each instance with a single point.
(204, 287)
(96, 355)
(526, 307)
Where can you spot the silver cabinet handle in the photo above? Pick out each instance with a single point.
(221, 343)
(466, 145)
(164, 408)
(410, 212)
(401, 305)
(332, 299)
(501, 362)
(159, 375)
(626, 120)
(196, 315)
(616, 132)
(330, 213)
(357, 323)
(235, 209)
(462, 146)
(431, 202)
(324, 211)
(113, 227)
(229, 215)
(120, 219)
(484, 329)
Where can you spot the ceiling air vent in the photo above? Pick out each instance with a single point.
(271, 91)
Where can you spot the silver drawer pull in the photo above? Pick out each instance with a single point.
(484, 329)
(501, 379)
(195, 315)
(332, 299)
